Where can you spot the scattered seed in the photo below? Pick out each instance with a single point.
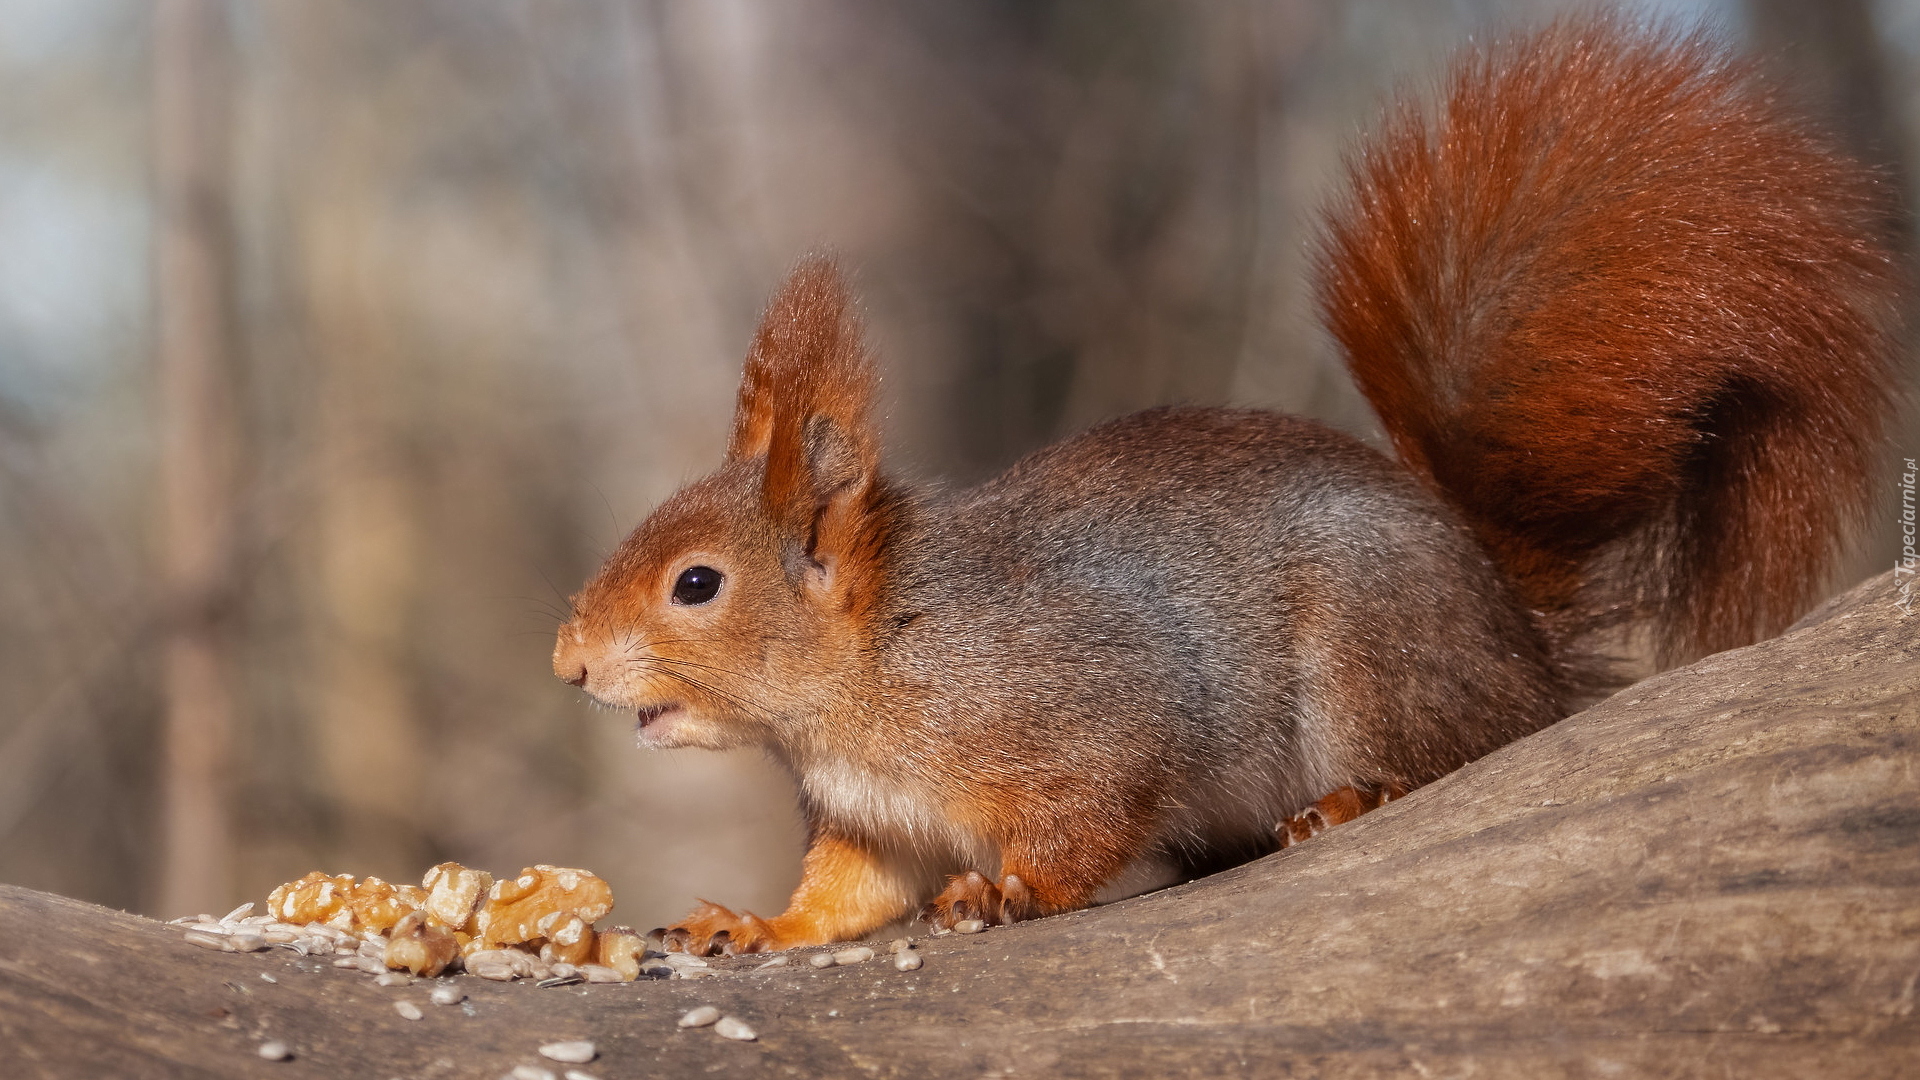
(700, 1017)
(576, 1052)
(576, 1074)
(393, 978)
(597, 973)
(969, 926)
(347, 962)
(372, 965)
(731, 1028)
(530, 1072)
(859, 954)
(317, 946)
(560, 980)
(778, 961)
(264, 977)
(407, 1009)
(821, 960)
(238, 913)
(493, 971)
(372, 948)
(247, 941)
(274, 1050)
(447, 994)
(685, 960)
(907, 960)
(209, 941)
(900, 945)
(253, 920)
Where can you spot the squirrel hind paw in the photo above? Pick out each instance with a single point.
(1336, 808)
(972, 896)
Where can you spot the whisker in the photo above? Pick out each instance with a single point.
(703, 667)
(717, 692)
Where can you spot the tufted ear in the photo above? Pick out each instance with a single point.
(805, 399)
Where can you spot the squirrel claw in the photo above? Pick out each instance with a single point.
(972, 896)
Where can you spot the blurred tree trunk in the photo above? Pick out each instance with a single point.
(197, 433)
(366, 536)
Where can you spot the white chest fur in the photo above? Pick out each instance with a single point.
(895, 811)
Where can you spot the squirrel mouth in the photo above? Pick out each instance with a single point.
(650, 714)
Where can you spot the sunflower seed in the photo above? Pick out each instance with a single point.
(251, 920)
(596, 973)
(347, 962)
(238, 913)
(530, 1072)
(407, 1010)
(372, 948)
(274, 1050)
(907, 961)
(264, 977)
(700, 1017)
(576, 1074)
(778, 961)
(685, 960)
(969, 926)
(209, 941)
(577, 1052)
(859, 954)
(393, 978)
(730, 1028)
(560, 980)
(900, 945)
(372, 965)
(447, 994)
(821, 960)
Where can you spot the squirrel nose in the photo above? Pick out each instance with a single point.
(568, 666)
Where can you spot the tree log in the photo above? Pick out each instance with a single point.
(1714, 873)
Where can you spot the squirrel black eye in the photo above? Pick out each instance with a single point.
(696, 585)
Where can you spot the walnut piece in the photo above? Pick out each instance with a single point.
(569, 942)
(621, 949)
(377, 906)
(543, 902)
(420, 946)
(315, 898)
(454, 894)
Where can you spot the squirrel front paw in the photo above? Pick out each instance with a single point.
(711, 930)
(972, 896)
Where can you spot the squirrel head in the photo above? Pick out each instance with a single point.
(736, 611)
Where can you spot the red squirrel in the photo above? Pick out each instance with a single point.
(1630, 329)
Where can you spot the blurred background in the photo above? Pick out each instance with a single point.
(340, 340)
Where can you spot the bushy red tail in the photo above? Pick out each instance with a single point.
(1632, 319)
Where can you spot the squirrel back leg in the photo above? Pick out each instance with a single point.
(1048, 865)
(1336, 808)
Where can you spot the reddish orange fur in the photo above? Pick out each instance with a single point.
(1613, 301)
(1610, 304)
